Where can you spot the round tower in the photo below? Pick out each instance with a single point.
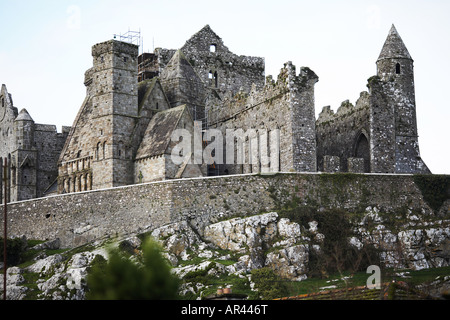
(24, 159)
(395, 145)
(396, 67)
(24, 127)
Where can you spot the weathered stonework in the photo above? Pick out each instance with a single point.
(122, 134)
(32, 151)
(287, 106)
(382, 127)
(82, 217)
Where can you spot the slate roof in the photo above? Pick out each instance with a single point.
(179, 67)
(157, 135)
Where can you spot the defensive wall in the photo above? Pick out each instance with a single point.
(79, 218)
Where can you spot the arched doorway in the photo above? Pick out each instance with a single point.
(362, 150)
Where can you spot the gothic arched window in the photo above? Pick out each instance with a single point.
(397, 68)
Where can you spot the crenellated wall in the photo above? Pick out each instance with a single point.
(285, 106)
(342, 134)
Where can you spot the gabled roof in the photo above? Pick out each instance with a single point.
(84, 110)
(203, 39)
(145, 89)
(394, 47)
(159, 131)
(179, 67)
(26, 162)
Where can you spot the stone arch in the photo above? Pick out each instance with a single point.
(69, 185)
(104, 151)
(97, 151)
(87, 181)
(361, 148)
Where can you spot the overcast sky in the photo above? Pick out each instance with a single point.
(45, 48)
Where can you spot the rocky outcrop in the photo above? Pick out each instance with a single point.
(58, 277)
(237, 246)
(417, 243)
(263, 240)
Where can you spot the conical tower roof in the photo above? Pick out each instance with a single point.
(394, 47)
(24, 116)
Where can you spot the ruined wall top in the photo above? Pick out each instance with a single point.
(114, 46)
(287, 81)
(219, 67)
(345, 109)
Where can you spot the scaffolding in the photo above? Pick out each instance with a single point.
(133, 37)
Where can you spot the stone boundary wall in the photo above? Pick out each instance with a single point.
(79, 218)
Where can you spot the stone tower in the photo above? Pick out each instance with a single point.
(97, 153)
(393, 125)
(114, 110)
(23, 169)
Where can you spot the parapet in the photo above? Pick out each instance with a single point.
(115, 46)
(345, 109)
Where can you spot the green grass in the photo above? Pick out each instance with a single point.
(413, 278)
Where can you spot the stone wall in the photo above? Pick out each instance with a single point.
(32, 151)
(218, 67)
(82, 217)
(340, 134)
(286, 105)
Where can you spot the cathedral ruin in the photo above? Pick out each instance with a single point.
(124, 131)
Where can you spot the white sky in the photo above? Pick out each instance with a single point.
(46, 45)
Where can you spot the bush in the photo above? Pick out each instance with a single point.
(15, 249)
(269, 285)
(336, 254)
(435, 189)
(122, 279)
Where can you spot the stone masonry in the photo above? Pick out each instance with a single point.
(125, 131)
(79, 218)
(32, 150)
(381, 129)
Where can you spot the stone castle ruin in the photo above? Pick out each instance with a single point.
(123, 132)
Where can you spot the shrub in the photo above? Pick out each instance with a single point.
(434, 188)
(269, 285)
(123, 279)
(15, 249)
